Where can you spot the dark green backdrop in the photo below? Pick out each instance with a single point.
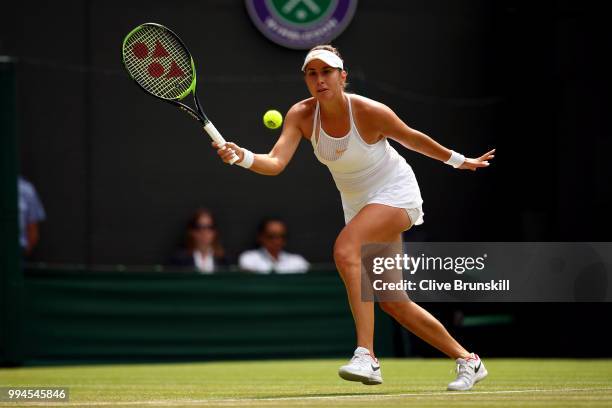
(112, 316)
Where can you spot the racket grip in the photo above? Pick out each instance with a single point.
(218, 139)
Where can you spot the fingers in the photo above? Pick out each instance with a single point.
(487, 156)
(226, 154)
(474, 164)
(228, 151)
(482, 161)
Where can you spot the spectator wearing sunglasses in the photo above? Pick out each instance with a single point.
(203, 250)
(270, 256)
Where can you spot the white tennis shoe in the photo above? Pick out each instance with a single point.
(469, 371)
(362, 367)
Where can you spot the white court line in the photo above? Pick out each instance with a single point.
(314, 397)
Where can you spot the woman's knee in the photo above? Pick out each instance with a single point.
(346, 256)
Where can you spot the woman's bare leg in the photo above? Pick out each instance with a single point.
(377, 223)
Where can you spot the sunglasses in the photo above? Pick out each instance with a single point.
(275, 236)
(202, 227)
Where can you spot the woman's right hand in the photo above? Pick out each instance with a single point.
(228, 151)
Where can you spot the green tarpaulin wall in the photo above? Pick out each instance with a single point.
(79, 316)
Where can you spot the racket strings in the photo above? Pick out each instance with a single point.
(166, 74)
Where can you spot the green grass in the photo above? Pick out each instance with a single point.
(314, 383)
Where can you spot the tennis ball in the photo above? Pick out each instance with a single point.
(272, 119)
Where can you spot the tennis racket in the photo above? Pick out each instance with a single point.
(160, 63)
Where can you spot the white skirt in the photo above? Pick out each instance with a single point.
(401, 190)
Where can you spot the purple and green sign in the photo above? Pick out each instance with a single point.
(301, 24)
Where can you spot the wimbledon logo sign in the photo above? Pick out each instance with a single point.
(301, 24)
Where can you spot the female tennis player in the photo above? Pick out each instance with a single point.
(380, 197)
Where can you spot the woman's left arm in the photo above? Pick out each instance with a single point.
(393, 127)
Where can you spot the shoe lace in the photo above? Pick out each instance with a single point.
(361, 359)
(462, 372)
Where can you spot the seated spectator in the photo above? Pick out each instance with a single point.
(270, 257)
(203, 250)
(31, 213)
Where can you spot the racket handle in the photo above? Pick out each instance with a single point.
(218, 139)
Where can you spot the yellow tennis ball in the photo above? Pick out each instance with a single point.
(272, 119)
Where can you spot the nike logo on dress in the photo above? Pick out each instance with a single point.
(340, 151)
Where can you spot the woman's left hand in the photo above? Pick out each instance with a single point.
(475, 164)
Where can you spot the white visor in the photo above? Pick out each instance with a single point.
(327, 57)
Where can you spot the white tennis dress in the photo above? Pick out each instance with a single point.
(367, 173)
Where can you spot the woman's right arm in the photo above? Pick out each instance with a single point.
(273, 163)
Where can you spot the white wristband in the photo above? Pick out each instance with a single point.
(247, 160)
(456, 159)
